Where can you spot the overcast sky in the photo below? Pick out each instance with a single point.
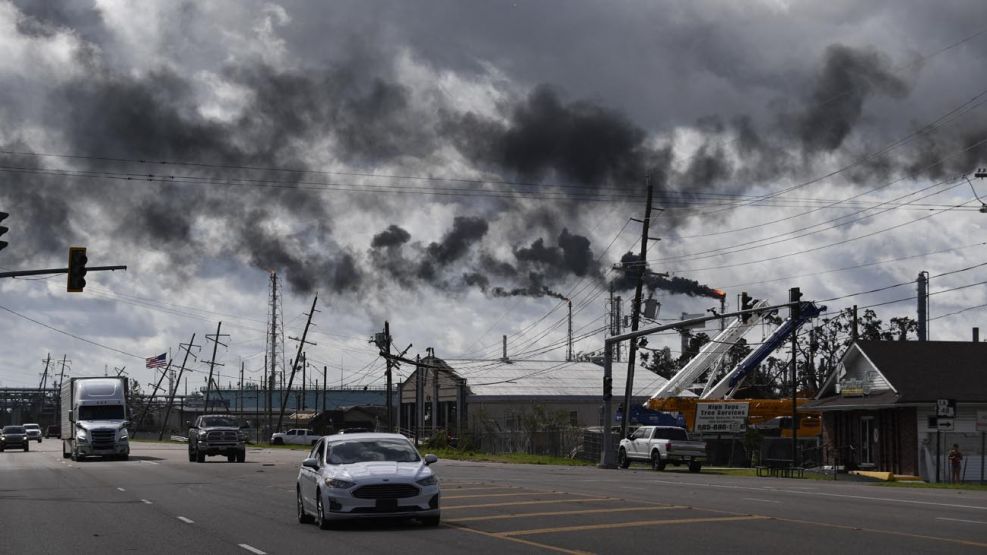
(457, 167)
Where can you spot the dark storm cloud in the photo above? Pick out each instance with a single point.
(393, 236)
(847, 78)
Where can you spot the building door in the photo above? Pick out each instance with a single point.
(867, 440)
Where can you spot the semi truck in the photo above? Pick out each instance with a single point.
(94, 418)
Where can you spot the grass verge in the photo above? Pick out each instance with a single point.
(515, 458)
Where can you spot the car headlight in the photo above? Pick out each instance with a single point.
(124, 434)
(428, 481)
(339, 484)
(202, 435)
(81, 435)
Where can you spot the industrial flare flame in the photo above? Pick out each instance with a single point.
(720, 292)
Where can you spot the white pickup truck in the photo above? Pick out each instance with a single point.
(298, 436)
(660, 445)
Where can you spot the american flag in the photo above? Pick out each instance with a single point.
(159, 361)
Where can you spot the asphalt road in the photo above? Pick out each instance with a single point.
(158, 502)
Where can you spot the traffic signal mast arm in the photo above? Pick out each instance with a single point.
(20, 273)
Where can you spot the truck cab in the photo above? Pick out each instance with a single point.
(94, 418)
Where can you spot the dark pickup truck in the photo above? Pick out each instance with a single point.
(216, 434)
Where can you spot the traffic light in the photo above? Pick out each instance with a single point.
(3, 229)
(77, 269)
(795, 296)
(746, 303)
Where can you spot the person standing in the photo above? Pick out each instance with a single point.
(955, 462)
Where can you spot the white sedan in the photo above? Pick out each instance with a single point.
(365, 476)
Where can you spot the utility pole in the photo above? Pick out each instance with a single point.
(294, 364)
(419, 409)
(388, 375)
(267, 386)
(269, 382)
(325, 370)
(568, 351)
(636, 314)
(304, 375)
(212, 362)
(795, 296)
(147, 405)
(41, 388)
(61, 378)
(241, 388)
(923, 306)
(171, 398)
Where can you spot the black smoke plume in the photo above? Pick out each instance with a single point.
(627, 280)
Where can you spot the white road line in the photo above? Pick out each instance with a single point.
(781, 490)
(253, 549)
(145, 501)
(761, 500)
(961, 520)
(186, 520)
(121, 489)
(147, 462)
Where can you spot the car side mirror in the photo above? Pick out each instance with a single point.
(630, 436)
(188, 423)
(125, 423)
(311, 463)
(430, 459)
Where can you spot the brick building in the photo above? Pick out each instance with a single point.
(879, 405)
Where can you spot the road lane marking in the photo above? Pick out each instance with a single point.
(145, 501)
(879, 531)
(147, 462)
(484, 495)
(540, 502)
(253, 549)
(761, 500)
(844, 495)
(121, 489)
(567, 513)
(480, 489)
(632, 524)
(186, 520)
(515, 540)
(961, 520)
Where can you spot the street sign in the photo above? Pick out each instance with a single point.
(982, 420)
(946, 408)
(721, 418)
(944, 424)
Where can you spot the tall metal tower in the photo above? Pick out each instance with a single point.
(275, 342)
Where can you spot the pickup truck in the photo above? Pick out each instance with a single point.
(216, 434)
(661, 445)
(295, 437)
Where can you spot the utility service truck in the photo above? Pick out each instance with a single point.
(94, 418)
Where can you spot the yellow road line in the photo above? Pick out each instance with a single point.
(633, 524)
(561, 513)
(473, 496)
(888, 532)
(539, 502)
(516, 540)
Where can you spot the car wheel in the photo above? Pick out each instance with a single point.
(622, 460)
(125, 457)
(191, 456)
(231, 458)
(278, 441)
(27, 446)
(695, 466)
(324, 523)
(656, 461)
(1, 448)
(303, 517)
(200, 457)
(241, 457)
(430, 520)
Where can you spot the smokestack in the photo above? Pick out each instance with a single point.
(568, 353)
(923, 305)
(504, 358)
(976, 335)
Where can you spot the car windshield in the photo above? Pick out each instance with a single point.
(219, 421)
(13, 430)
(100, 412)
(31, 427)
(371, 450)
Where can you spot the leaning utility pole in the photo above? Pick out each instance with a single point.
(212, 362)
(294, 364)
(41, 388)
(171, 398)
(635, 315)
(147, 404)
(61, 377)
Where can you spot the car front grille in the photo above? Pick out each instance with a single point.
(385, 491)
(102, 439)
(225, 435)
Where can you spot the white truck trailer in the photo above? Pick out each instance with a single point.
(94, 418)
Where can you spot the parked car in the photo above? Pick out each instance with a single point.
(33, 432)
(365, 476)
(53, 431)
(216, 434)
(295, 437)
(14, 436)
(661, 445)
